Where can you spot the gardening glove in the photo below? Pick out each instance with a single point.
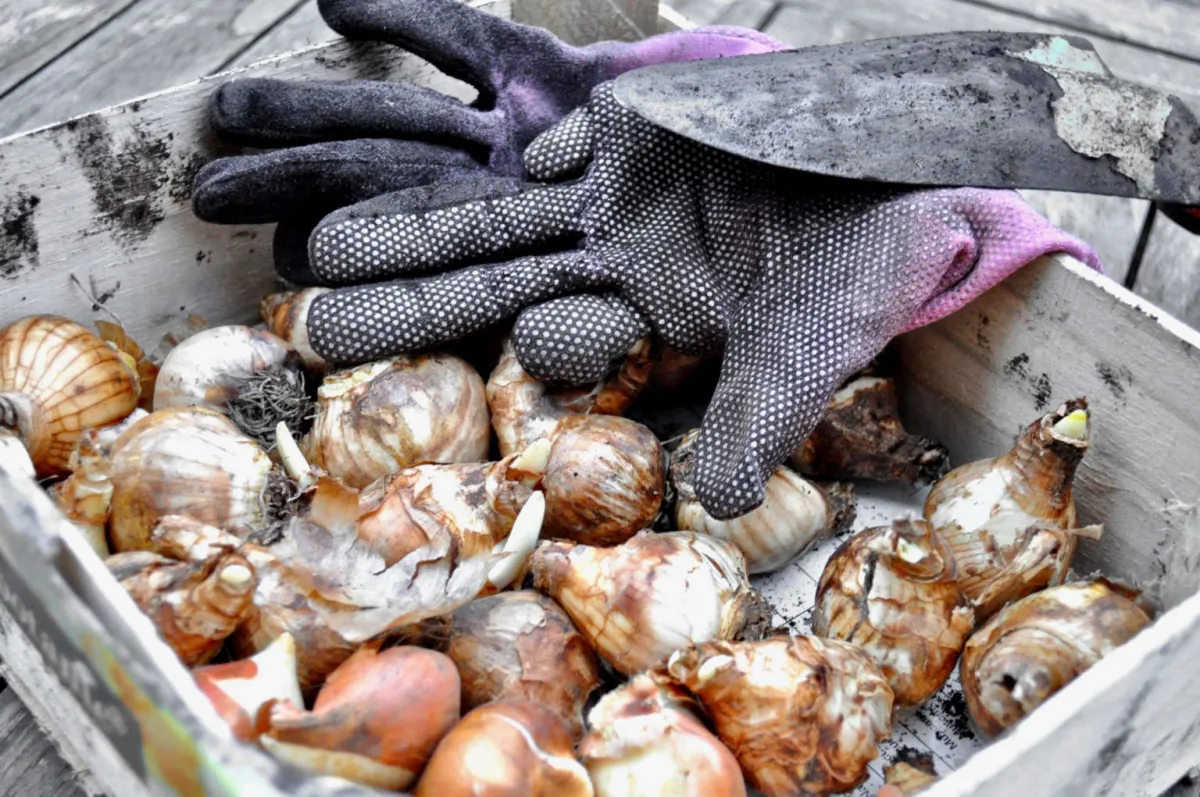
(801, 280)
(345, 141)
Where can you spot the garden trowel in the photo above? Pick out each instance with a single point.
(987, 109)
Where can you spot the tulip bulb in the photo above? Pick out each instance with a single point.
(193, 462)
(286, 316)
(509, 748)
(793, 515)
(57, 379)
(376, 721)
(982, 508)
(524, 410)
(891, 590)
(802, 715)
(194, 606)
(251, 375)
(861, 436)
(1034, 647)
(518, 645)
(606, 476)
(244, 690)
(393, 414)
(283, 603)
(652, 595)
(646, 740)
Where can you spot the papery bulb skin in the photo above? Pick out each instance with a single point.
(892, 591)
(286, 316)
(653, 594)
(194, 606)
(508, 748)
(85, 497)
(982, 508)
(207, 369)
(376, 721)
(605, 480)
(57, 378)
(793, 516)
(904, 779)
(244, 690)
(646, 740)
(861, 436)
(523, 410)
(192, 462)
(802, 715)
(518, 645)
(1034, 647)
(282, 602)
(382, 417)
(477, 502)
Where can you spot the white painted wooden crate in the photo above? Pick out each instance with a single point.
(95, 210)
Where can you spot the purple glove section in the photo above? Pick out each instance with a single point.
(998, 234)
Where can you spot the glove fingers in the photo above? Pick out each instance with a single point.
(290, 249)
(577, 339)
(444, 225)
(778, 375)
(318, 178)
(370, 322)
(464, 42)
(262, 112)
(565, 150)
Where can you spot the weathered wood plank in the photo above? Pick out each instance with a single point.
(35, 32)
(1110, 224)
(303, 27)
(1167, 25)
(581, 23)
(29, 764)
(747, 13)
(1170, 274)
(157, 44)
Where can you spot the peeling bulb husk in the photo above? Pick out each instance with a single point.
(653, 594)
(793, 516)
(518, 644)
(892, 590)
(1034, 647)
(983, 509)
(803, 715)
(647, 740)
(384, 416)
(286, 316)
(861, 436)
(243, 690)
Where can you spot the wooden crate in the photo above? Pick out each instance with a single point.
(97, 225)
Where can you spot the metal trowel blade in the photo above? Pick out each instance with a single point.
(987, 109)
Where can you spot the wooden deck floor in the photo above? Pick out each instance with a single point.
(60, 58)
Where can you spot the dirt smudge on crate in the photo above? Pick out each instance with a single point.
(1116, 379)
(19, 241)
(1040, 387)
(126, 181)
(183, 177)
(981, 337)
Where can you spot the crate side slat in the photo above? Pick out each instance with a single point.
(33, 32)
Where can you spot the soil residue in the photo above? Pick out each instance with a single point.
(19, 242)
(126, 181)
